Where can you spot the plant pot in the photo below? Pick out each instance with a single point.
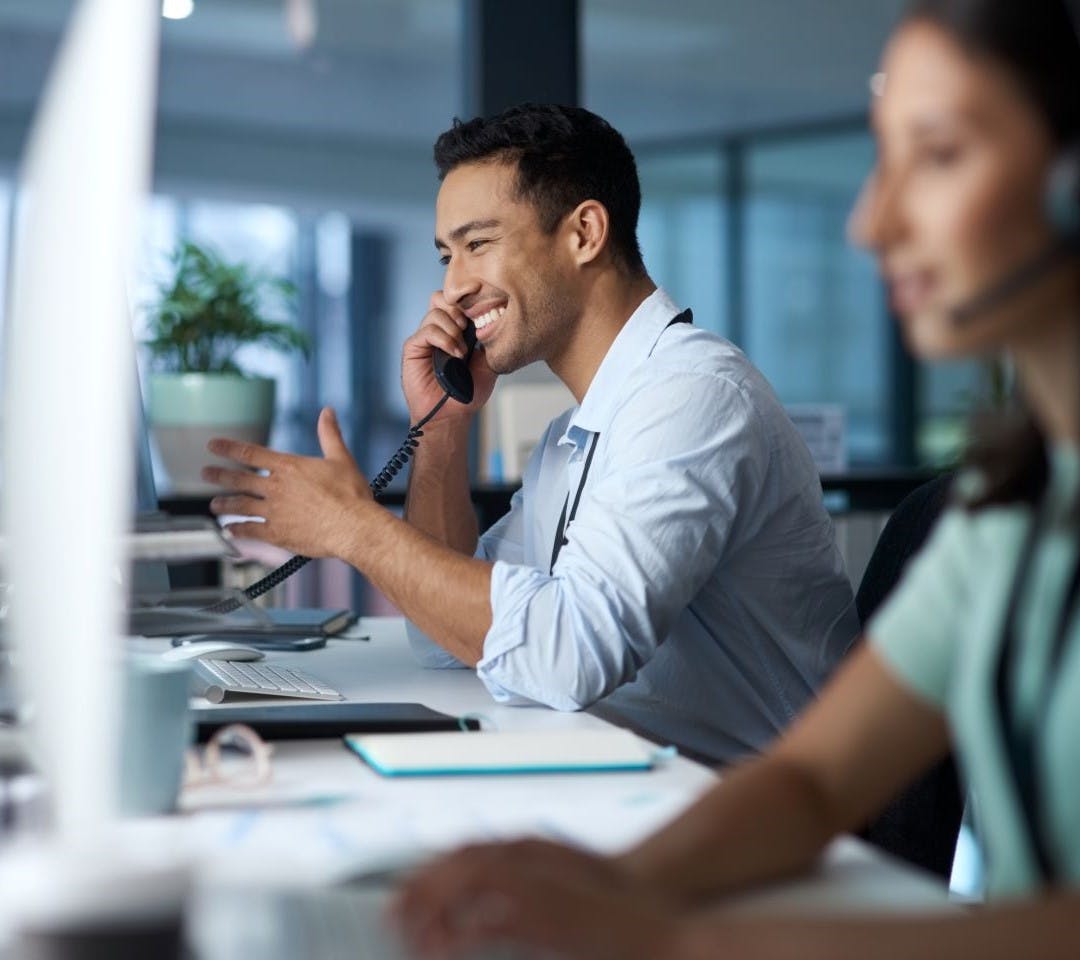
(187, 409)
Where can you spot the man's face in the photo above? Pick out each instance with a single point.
(516, 282)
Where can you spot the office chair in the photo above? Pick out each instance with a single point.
(920, 825)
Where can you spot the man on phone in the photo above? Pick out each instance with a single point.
(667, 561)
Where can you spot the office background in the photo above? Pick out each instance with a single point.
(748, 118)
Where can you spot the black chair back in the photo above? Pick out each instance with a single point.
(921, 825)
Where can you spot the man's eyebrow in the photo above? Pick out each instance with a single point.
(458, 232)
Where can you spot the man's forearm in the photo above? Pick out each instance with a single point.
(438, 501)
(445, 594)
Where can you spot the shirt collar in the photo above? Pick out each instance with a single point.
(634, 343)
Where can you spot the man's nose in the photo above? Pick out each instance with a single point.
(459, 281)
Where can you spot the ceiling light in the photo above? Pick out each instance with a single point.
(302, 22)
(177, 9)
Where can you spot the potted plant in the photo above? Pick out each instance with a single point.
(204, 314)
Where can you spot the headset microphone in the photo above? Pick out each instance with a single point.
(1013, 283)
(1062, 204)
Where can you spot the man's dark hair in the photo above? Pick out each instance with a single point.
(564, 155)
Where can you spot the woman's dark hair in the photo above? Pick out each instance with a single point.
(1039, 43)
(564, 155)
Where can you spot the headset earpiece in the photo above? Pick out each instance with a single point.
(1063, 188)
(1062, 198)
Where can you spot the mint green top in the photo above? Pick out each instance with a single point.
(941, 632)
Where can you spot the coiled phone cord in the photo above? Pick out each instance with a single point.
(393, 467)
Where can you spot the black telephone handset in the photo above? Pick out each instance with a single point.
(454, 377)
(453, 373)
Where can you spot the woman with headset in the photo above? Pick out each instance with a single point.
(973, 211)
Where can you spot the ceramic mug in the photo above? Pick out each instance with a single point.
(156, 731)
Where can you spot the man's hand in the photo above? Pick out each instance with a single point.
(308, 503)
(532, 893)
(442, 327)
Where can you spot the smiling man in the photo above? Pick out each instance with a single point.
(667, 561)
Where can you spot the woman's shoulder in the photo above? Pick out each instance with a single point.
(971, 527)
(968, 542)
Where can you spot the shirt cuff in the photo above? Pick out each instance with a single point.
(515, 592)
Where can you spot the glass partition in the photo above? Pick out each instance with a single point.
(814, 318)
(682, 229)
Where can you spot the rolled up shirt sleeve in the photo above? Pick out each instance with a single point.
(681, 459)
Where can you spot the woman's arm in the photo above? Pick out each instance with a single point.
(1045, 929)
(558, 900)
(864, 739)
(855, 748)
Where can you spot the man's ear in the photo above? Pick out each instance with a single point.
(587, 230)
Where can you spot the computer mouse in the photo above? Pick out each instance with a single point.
(212, 650)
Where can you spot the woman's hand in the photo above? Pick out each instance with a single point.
(561, 901)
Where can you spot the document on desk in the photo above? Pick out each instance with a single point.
(379, 835)
(512, 752)
(324, 817)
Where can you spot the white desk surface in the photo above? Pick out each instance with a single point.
(367, 823)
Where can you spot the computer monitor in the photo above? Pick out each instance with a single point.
(147, 576)
(146, 500)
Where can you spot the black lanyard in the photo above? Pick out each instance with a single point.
(564, 521)
(686, 316)
(1020, 744)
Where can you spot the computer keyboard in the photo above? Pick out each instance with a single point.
(221, 677)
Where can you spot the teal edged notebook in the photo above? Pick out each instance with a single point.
(489, 753)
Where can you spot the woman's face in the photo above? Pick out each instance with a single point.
(954, 204)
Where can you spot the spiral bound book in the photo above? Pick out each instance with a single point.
(446, 754)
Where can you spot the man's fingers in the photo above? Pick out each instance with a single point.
(249, 454)
(439, 302)
(243, 481)
(250, 531)
(453, 324)
(438, 330)
(331, 441)
(240, 504)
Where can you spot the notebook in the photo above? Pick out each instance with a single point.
(441, 754)
(312, 721)
(302, 622)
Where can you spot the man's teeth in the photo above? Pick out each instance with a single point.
(490, 317)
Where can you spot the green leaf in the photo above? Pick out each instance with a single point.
(209, 308)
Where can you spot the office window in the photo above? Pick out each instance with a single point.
(682, 229)
(5, 244)
(331, 275)
(262, 236)
(814, 319)
(265, 238)
(7, 213)
(159, 229)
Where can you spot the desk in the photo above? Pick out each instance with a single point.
(379, 823)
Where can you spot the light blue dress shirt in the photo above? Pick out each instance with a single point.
(700, 599)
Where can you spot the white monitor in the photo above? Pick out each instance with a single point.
(147, 576)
